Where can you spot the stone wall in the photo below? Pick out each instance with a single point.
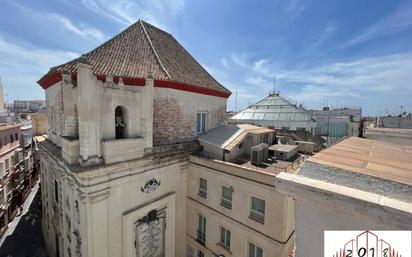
(39, 122)
(71, 105)
(56, 120)
(174, 114)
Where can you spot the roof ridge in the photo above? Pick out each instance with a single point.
(97, 47)
(153, 49)
(185, 50)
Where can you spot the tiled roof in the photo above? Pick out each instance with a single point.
(143, 48)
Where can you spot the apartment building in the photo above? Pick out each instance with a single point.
(18, 168)
(357, 184)
(122, 170)
(11, 168)
(233, 208)
(20, 106)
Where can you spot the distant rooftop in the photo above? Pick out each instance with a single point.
(274, 107)
(369, 165)
(355, 111)
(391, 135)
(228, 136)
(370, 157)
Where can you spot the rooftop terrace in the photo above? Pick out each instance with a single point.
(371, 157)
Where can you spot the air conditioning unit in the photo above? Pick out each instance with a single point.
(265, 148)
(259, 154)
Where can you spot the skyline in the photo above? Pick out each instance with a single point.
(317, 50)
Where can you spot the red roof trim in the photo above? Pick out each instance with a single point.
(190, 88)
(56, 76)
(50, 79)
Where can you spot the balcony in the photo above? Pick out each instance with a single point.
(70, 149)
(117, 150)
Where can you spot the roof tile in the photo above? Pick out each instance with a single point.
(134, 54)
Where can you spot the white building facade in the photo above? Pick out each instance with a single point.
(117, 178)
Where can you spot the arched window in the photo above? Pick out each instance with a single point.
(119, 122)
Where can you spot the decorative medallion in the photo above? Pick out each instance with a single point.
(151, 185)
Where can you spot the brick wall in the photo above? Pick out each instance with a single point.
(174, 114)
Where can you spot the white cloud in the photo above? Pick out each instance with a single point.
(48, 20)
(224, 62)
(293, 8)
(21, 65)
(81, 30)
(262, 67)
(241, 59)
(326, 33)
(398, 21)
(388, 72)
(159, 13)
(371, 81)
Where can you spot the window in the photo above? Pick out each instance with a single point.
(11, 139)
(240, 145)
(16, 137)
(1, 166)
(201, 122)
(7, 164)
(190, 252)
(255, 251)
(202, 187)
(200, 253)
(201, 230)
(226, 200)
(120, 126)
(225, 237)
(56, 191)
(257, 211)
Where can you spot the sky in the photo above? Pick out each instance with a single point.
(339, 53)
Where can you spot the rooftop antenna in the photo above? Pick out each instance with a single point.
(274, 83)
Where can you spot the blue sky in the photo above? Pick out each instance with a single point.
(346, 53)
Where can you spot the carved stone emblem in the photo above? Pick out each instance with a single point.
(150, 236)
(151, 185)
